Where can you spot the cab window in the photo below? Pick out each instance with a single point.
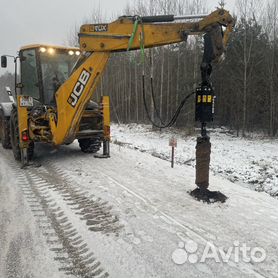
(29, 74)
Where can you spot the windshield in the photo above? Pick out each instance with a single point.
(56, 66)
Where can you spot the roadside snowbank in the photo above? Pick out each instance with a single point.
(251, 161)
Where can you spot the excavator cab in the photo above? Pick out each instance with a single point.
(44, 69)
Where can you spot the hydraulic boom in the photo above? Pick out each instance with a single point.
(97, 41)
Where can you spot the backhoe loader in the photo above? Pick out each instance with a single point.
(53, 94)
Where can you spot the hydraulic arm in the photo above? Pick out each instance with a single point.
(97, 41)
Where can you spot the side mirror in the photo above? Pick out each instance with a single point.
(3, 61)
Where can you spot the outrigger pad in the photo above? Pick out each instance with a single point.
(102, 155)
(208, 196)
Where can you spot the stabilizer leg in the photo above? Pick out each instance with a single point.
(106, 150)
(24, 158)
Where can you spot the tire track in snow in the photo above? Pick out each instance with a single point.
(169, 219)
(70, 249)
(96, 212)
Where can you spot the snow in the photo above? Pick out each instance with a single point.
(243, 160)
(24, 252)
(157, 213)
(163, 230)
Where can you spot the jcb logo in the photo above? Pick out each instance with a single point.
(79, 88)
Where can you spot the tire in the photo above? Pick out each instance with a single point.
(4, 131)
(90, 145)
(14, 134)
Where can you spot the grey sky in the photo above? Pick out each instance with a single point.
(50, 21)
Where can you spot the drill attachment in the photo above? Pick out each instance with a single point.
(204, 104)
(203, 150)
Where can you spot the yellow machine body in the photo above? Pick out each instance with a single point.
(97, 41)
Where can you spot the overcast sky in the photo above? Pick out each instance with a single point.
(51, 21)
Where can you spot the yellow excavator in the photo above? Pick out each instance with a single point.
(56, 84)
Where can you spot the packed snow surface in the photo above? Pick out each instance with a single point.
(253, 161)
(131, 215)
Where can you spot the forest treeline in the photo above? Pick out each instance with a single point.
(246, 82)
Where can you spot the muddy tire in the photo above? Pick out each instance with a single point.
(90, 145)
(4, 131)
(14, 135)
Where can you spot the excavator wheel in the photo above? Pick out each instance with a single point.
(4, 131)
(90, 145)
(14, 131)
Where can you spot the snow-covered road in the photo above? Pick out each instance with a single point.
(127, 216)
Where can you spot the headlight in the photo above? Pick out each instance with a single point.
(77, 53)
(42, 49)
(51, 51)
(71, 52)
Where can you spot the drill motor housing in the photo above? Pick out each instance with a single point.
(204, 104)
